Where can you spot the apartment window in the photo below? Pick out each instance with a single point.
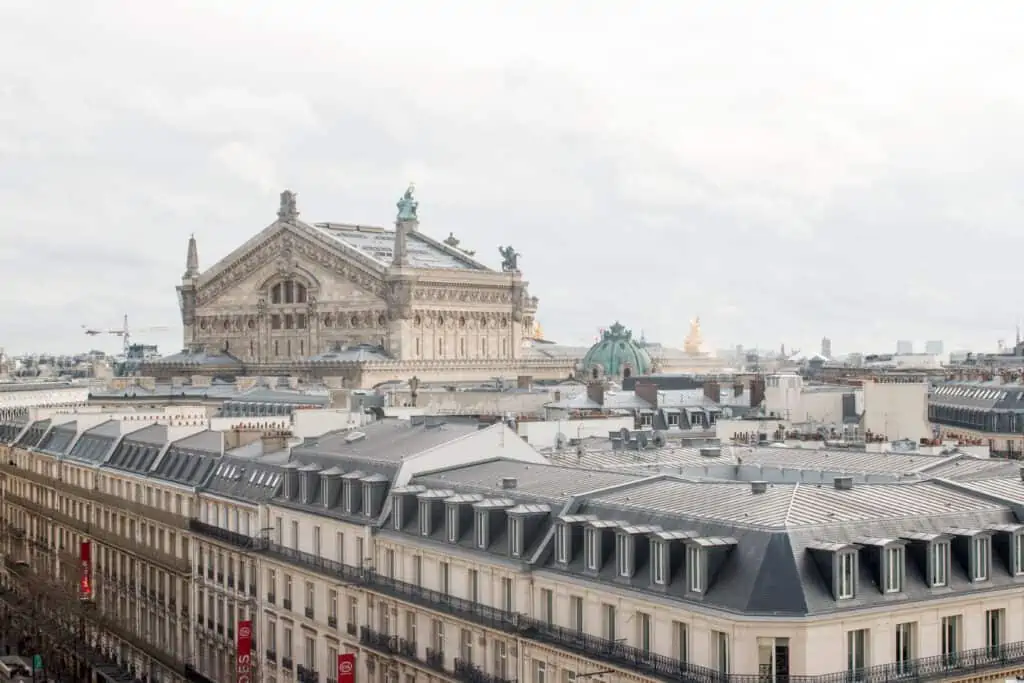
(995, 620)
(515, 532)
(906, 647)
(389, 562)
(466, 645)
(856, 653)
(481, 530)
(295, 535)
(950, 635)
(591, 549)
(694, 568)
(353, 611)
(445, 577)
(410, 626)
(417, 570)
(608, 612)
(424, 519)
(540, 671)
(360, 554)
(501, 659)
(681, 641)
(622, 555)
(982, 556)
(310, 595)
(507, 594)
(562, 543)
(474, 585)
(310, 653)
(847, 575)
(452, 523)
(332, 604)
(286, 651)
(576, 612)
(271, 585)
(940, 564)
(547, 605)
(720, 652)
(438, 635)
(1018, 554)
(658, 564)
(643, 627)
(893, 570)
(316, 541)
(339, 547)
(288, 588)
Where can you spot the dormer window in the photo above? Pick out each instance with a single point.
(893, 569)
(695, 568)
(659, 563)
(424, 518)
(346, 495)
(591, 549)
(451, 523)
(323, 492)
(981, 556)
(1018, 554)
(367, 500)
(847, 579)
(939, 564)
(515, 533)
(562, 532)
(396, 514)
(481, 530)
(304, 489)
(623, 553)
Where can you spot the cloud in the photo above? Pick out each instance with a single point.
(786, 172)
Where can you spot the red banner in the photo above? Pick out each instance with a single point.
(85, 557)
(243, 656)
(347, 668)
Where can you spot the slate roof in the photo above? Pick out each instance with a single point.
(384, 443)
(189, 461)
(979, 395)
(379, 243)
(59, 438)
(34, 434)
(94, 445)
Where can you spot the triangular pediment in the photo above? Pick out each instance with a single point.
(290, 246)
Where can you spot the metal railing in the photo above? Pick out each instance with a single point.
(152, 555)
(470, 673)
(96, 496)
(619, 654)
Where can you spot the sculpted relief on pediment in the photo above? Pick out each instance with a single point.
(331, 276)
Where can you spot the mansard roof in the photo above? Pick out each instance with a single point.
(57, 440)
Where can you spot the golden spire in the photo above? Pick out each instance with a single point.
(693, 339)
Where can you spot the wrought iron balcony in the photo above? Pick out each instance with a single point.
(224, 536)
(307, 675)
(107, 499)
(152, 555)
(435, 660)
(470, 673)
(619, 654)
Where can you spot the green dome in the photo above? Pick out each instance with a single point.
(617, 355)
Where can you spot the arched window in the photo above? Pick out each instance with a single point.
(627, 372)
(288, 292)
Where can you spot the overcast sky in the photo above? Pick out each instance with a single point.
(783, 170)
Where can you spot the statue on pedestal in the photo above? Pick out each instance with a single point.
(510, 259)
(288, 210)
(408, 205)
(693, 340)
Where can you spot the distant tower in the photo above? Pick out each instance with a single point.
(187, 293)
(936, 347)
(694, 339)
(904, 347)
(826, 347)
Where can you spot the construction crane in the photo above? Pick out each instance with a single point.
(125, 333)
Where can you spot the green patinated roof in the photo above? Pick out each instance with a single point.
(617, 351)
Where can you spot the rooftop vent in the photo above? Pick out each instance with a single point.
(711, 451)
(509, 482)
(758, 487)
(354, 436)
(1022, 473)
(843, 483)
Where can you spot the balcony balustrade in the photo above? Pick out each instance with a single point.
(109, 500)
(152, 555)
(617, 653)
(470, 673)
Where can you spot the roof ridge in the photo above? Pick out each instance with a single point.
(789, 508)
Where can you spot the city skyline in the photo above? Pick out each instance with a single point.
(731, 178)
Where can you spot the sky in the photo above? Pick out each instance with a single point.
(785, 171)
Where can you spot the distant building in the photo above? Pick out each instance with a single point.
(826, 347)
(934, 347)
(904, 347)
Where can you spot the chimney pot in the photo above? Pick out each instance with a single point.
(843, 483)
(758, 487)
(509, 482)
